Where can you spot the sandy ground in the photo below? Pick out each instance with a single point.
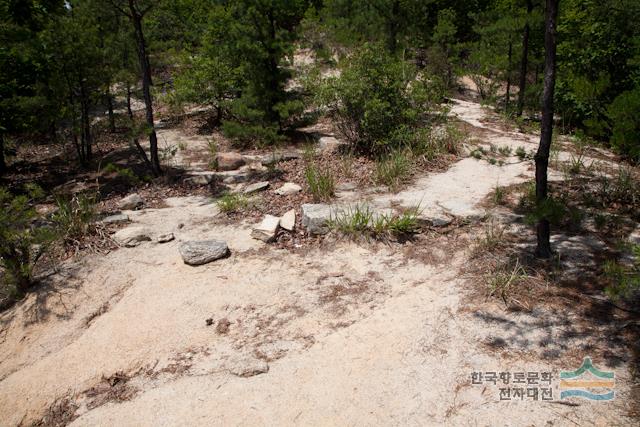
(342, 333)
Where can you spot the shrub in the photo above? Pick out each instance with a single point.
(22, 243)
(378, 101)
(321, 184)
(623, 113)
(625, 278)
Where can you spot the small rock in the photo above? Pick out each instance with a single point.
(267, 229)
(328, 142)
(258, 186)
(223, 326)
(315, 217)
(132, 201)
(346, 186)
(132, 236)
(229, 161)
(180, 226)
(202, 252)
(164, 238)
(200, 179)
(115, 219)
(209, 321)
(248, 366)
(288, 188)
(288, 220)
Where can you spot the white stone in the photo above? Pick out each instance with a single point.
(132, 236)
(315, 217)
(258, 186)
(288, 220)
(288, 188)
(132, 201)
(202, 252)
(267, 229)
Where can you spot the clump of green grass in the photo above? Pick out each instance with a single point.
(212, 148)
(491, 239)
(322, 185)
(393, 170)
(124, 173)
(499, 194)
(232, 203)
(360, 220)
(521, 153)
(505, 150)
(75, 216)
(501, 281)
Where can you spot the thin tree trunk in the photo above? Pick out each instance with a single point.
(525, 59)
(112, 119)
(509, 66)
(543, 249)
(3, 163)
(136, 17)
(129, 111)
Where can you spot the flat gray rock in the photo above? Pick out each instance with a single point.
(267, 229)
(288, 220)
(288, 188)
(315, 217)
(132, 201)
(248, 366)
(201, 179)
(203, 251)
(258, 186)
(115, 219)
(132, 236)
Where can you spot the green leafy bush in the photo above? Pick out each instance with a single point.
(379, 101)
(624, 114)
(22, 242)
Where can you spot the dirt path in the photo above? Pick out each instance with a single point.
(338, 334)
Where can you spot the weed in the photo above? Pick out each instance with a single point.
(492, 161)
(498, 195)
(501, 281)
(75, 216)
(505, 150)
(492, 238)
(182, 146)
(360, 220)
(625, 279)
(231, 203)
(393, 170)
(212, 148)
(322, 185)
(521, 153)
(124, 173)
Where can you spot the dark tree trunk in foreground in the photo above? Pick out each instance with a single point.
(525, 60)
(3, 164)
(543, 249)
(136, 17)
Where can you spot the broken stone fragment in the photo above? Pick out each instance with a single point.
(132, 201)
(164, 238)
(132, 236)
(267, 229)
(316, 217)
(203, 251)
(115, 219)
(258, 186)
(229, 161)
(288, 220)
(288, 188)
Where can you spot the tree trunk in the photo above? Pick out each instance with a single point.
(136, 17)
(543, 249)
(129, 111)
(112, 119)
(509, 66)
(524, 60)
(3, 163)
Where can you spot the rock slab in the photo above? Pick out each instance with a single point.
(203, 251)
(315, 217)
(267, 229)
(132, 236)
(258, 186)
(288, 188)
(164, 238)
(115, 219)
(229, 161)
(132, 201)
